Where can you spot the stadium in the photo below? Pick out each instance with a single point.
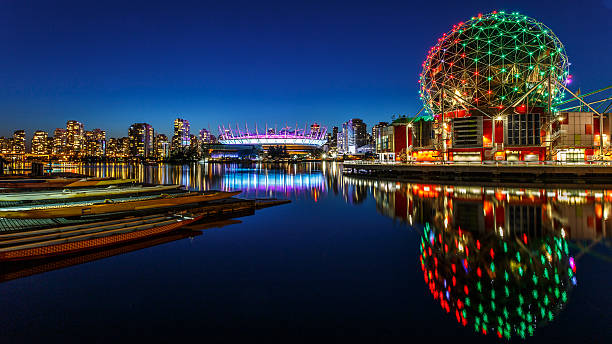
(294, 140)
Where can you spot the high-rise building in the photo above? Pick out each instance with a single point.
(141, 136)
(181, 136)
(60, 141)
(315, 129)
(206, 136)
(162, 147)
(359, 131)
(118, 147)
(18, 142)
(39, 142)
(193, 142)
(75, 138)
(376, 128)
(95, 143)
(334, 138)
(49, 145)
(6, 144)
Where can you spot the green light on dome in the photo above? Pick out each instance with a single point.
(535, 294)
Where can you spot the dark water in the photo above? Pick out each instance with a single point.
(348, 260)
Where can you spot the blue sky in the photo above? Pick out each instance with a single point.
(113, 63)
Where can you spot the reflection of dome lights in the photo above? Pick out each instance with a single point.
(497, 285)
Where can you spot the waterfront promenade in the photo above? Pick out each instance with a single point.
(515, 173)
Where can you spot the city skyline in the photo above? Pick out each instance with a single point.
(232, 61)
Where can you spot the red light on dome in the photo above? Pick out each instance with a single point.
(525, 238)
(466, 290)
(478, 244)
(492, 253)
(479, 272)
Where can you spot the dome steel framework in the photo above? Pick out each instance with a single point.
(492, 62)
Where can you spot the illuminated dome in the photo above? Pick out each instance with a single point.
(490, 62)
(505, 286)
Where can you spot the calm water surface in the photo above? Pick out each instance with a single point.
(348, 259)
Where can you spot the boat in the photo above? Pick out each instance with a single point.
(99, 182)
(54, 183)
(91, 236)
(109, 206)
(83, 193)
(24, 268)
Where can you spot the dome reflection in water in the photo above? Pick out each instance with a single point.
(504, 284)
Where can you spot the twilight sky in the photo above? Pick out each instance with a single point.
(112, 63)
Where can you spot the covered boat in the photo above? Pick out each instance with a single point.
(109, 206)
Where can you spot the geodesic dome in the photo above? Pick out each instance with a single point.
(491, 62)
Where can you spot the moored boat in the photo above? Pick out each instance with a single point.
(109, 206)
(54, 183)
(83, 193)
(92, 237)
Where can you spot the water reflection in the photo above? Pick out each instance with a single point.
(497, 259)
(507, 285)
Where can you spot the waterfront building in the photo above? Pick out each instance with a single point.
(353, 136)
(194, 143)
(6, 144)
(75, 138)
(293, 140)
(407, 139)
(359, 129)
(49, 145)
(375, 130)
(343, 139)
(95, 143)
(18, 143)
(40, 143)
(577, 136)
(488, 104)
(182, 136)
(207, 137)
(141, 136)
(334, 138)
(60, 142)
(112, 148)
(162, 147)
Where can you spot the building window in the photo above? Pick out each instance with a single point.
(523, 130)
